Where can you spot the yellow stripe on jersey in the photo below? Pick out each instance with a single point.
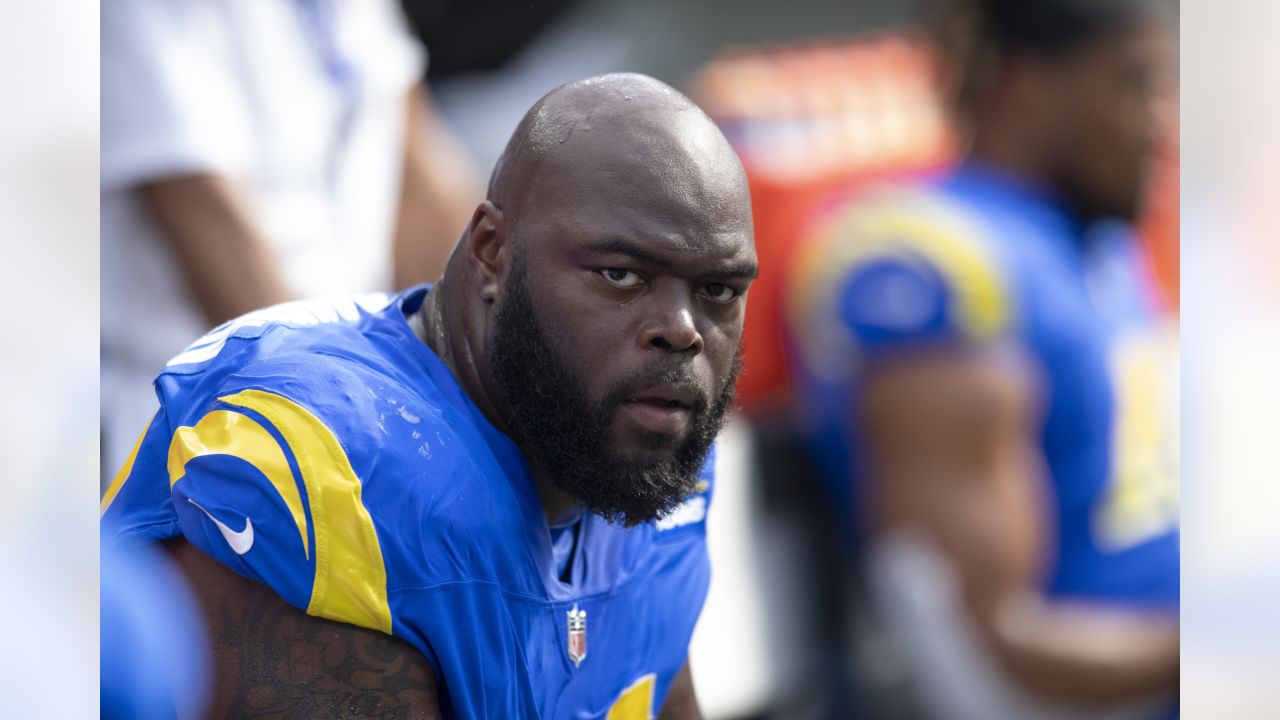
(636, 702)
(125, 470)
(983, 308)
(901, 226)
(222, 432)
(351, 580)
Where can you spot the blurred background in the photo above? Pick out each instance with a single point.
(818, 97)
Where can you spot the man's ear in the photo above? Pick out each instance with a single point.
(488, 249)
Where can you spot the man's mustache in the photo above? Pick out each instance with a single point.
(660, 374)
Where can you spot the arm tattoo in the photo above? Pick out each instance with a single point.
(274, 661)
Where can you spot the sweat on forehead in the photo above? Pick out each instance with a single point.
(602, 99)
(629, 113)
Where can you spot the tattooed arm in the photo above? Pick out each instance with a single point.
(271, 660)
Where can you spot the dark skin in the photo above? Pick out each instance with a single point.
(955, 459)
(230, 267)
(640, 243)
(1086, 123)
(951, 436)
(226, 262)
(273, 661)
(637, 228)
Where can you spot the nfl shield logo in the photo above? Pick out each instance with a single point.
(577, 635)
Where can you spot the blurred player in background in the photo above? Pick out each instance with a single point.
(982, 363)
(254, 151)
(508, 470)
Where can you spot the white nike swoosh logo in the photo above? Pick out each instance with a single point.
(241, 541)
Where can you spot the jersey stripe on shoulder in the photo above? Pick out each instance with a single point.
(222, 432)
(323, 499)
(125, 470)
(351, 579)
(911, 227)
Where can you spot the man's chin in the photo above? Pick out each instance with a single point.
(633, 517)
(645, 487)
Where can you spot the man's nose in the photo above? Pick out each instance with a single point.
(670, 325)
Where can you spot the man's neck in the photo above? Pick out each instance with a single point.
(444, 326)
(1028, 172)
(558, 506)
(997, 151)
(454, 337)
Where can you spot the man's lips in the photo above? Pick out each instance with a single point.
(668, 394)
(666, 408)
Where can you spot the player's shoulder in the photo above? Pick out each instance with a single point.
(314, 373)
(896, 266)
(334, 403)
(276, 329)
(334, 462)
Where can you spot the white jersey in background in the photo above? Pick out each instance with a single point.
(301, 102)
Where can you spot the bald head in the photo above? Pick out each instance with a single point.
(618, 132)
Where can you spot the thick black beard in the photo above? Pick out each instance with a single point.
(564, 435)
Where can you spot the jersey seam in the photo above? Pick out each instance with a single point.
(514, 593)
(130, 532)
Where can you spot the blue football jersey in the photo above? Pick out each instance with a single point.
(322, 448)
(977, 257)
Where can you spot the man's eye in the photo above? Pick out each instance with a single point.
(621, 278)
(721, 293)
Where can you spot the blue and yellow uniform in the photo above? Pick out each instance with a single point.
(978, 257)
(323, 449)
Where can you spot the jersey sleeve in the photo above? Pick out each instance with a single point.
(264, 470)
(136, 507)
(891, 275)
(264, 485)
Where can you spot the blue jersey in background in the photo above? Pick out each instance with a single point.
(976, 258)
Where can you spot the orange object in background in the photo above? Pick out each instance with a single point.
(1159, 227)
(815, 121)
(811, 122)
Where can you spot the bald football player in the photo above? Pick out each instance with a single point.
(483, 497)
